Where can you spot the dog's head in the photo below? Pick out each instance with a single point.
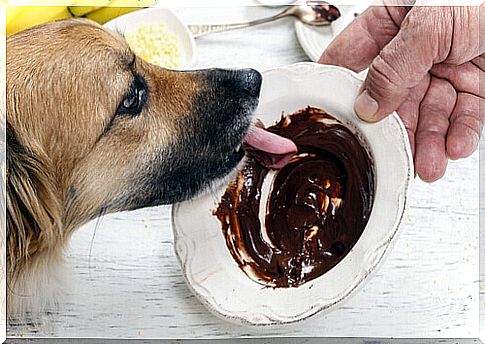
(92, 129)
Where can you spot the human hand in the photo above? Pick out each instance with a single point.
(426, 63)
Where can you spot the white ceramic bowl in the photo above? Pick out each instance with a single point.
(158, 15)
(211, 272)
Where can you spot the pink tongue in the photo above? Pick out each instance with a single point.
(269, 149)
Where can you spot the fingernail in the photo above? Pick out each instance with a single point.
(366, 107)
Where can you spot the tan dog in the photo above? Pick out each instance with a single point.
(92, 129)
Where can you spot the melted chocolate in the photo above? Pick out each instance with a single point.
(318, 206)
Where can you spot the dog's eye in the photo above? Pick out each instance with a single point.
(135, 98)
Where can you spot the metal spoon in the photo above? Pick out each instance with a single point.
(316, 13)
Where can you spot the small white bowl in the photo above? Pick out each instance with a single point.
(158, 15)
(210, 270)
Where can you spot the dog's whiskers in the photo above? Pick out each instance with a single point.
(212, 191)
(256, 117)
(120, 31)
(102, 212)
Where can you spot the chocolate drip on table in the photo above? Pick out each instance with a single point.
(318, 206)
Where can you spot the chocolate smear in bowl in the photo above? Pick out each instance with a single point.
(318, 204)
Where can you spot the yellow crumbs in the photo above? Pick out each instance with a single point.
(155, 44)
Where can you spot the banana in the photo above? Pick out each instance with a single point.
(105, 14)
(22, 17)
(79, 11)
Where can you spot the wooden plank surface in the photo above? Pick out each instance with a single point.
(127, 283)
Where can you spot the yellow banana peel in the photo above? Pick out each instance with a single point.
(79, 11)
(105, 14)
(22, 17)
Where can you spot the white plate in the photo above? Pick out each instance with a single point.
(314, 40)
(211, 272)
(158, 15)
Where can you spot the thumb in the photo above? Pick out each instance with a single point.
(400, 65)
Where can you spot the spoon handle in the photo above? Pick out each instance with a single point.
(201, 30)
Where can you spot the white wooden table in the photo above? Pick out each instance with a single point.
(128, 283)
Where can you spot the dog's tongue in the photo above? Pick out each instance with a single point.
(269, 149)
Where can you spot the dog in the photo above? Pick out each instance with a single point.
(92, 129)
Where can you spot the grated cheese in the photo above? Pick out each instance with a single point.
(155, 44)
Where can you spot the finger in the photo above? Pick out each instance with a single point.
(433, 123)
(361, 41)
(466, 124)
(466, 43)
(409, 109)
(403, 63)
(464, 77)
(479, 61)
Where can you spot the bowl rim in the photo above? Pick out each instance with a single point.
(111, 24)
(358, 282)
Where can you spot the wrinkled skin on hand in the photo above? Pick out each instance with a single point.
(426, 63)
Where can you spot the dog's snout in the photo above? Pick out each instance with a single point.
(237, 82)
(249, 81)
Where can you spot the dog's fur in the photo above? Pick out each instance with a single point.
(77, 150)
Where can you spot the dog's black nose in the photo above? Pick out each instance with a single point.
(249, 81)
(238, 82)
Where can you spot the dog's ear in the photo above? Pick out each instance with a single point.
(33, 209)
